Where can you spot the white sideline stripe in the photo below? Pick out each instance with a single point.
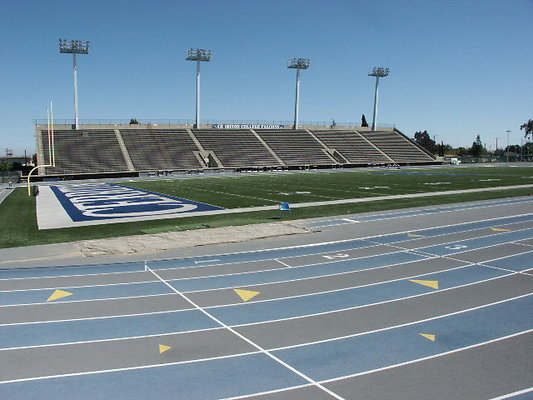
(401, 325)
(353, 221)
(509, 395)
(244, 338)
(427, 358)
(366, 238)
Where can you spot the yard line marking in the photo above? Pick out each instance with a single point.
(427, 358)
(261, 349)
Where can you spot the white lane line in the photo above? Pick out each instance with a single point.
(39, 378)
(281, 262)
(510, 395)
(244, 338)
(427, 358)
(368, 305)
(246, 396)
(78, 286)
(38, 346)
(206, 261)
(400, 325)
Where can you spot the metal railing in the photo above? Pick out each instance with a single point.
(170, 122)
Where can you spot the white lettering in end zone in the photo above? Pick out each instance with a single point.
(96, 201)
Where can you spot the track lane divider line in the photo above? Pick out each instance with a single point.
(427, 358)
(244, 338)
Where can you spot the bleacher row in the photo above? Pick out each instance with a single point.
(122, 150)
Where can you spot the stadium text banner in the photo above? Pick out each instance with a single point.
(247, 126)
(99, 201)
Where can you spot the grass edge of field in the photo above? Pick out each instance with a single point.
(18, 228)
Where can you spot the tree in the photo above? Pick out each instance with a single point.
(423, 139)
(363, 121)
(477, 149)
(528, 128)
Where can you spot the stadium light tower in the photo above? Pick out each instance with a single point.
(378, 72)
(508, 132)
(298, 64)
(74, 47)
(198, 55)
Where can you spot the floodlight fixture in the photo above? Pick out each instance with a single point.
(378, 72)
(74, 47)
(198, 55)
(298, 64)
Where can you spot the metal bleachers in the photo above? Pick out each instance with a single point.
(352, 146)
(236, 148)
(296, 147)
(160, 149)
(84, 151)
(397, 147)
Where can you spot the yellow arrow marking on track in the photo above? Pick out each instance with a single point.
(428, 336)
(414, 235)
(59, 294)
(500, 230)
(431, 284)
(246, 295)
(163, 348)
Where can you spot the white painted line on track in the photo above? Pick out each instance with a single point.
(510, 395)
(252, 343)
(246, 396)
(427, 358)
(370, 304)
(88, 300)
(39, 378)
(400, 325)
(281, 262)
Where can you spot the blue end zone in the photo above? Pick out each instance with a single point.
(89, 202)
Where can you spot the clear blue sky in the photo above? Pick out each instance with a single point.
(458, 67)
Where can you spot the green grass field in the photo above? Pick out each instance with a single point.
(18, 225)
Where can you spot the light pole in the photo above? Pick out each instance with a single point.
(298, 64)
(378, 72)
(74, 47)
(508, 132)
(198, 55)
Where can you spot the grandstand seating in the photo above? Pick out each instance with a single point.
(128, 149)
(352, 146)
(85, 151)
(398, 147)
(237, 149)
(160, 149)
(296, 147)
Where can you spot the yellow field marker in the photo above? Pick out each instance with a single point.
(429, 336)
(414, 235)
(500, 230)
(163, 348)
(246, 295)
(59, 294)
(431, 284)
